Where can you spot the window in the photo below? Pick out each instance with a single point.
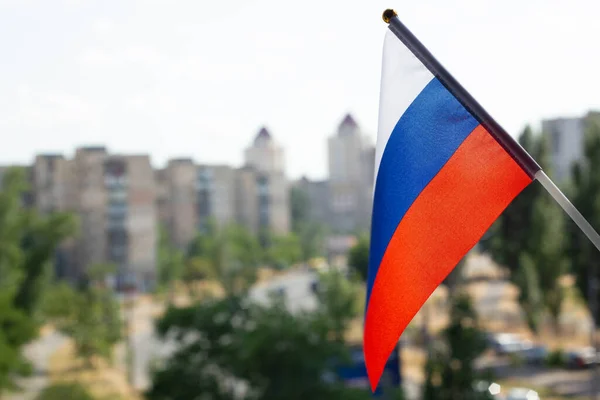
(117, 195)
(117, 209)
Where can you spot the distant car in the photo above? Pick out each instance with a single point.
(583, 358)
(507, 343)
(534, 355)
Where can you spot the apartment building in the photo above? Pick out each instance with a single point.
(566, 137)
(317, 196)
(265, 158)
(190, 195)
(177, 201)
(114, 197)
(351, 174)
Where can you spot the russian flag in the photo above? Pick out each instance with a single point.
(444, 172)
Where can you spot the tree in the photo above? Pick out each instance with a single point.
(171, 263)
(312, 237)
(228, 345)
(311, 233)
(231, 254)
(512, 229)
(584, 257)
(358, 258)
(28, 242)
(61, 391)
(284, 250)
(338, 300)
(450, 371)
(89, 316)
(531, 242)
(300, 208)
(455, 277)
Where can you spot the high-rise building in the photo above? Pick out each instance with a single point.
(113, 197)
(53, 190)
(178, 201)
(351, 170)
(567, 142)
(265, 158)
(566, 137)
(317, 196)
(132, 230)
(191, 195)
(215, 188)
(265, 155)
(53, 180)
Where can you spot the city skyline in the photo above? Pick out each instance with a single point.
(192, 85)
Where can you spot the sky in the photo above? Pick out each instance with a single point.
(199, 78)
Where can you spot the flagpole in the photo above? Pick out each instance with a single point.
(525, 161)
(593, 236)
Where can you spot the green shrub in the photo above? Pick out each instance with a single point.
(556, 358)
(64, 391)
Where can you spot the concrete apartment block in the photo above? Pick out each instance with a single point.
(216, 191)
(351, 173)
(90, 205)
(246, 199)
(142, 229)
(265, 157)
(181, 221)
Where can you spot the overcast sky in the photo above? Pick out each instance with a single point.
(198, 78)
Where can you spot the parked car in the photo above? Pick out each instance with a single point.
(534, 355)
(583, 358)
(508, 343)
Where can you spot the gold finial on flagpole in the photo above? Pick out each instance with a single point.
(388, 15)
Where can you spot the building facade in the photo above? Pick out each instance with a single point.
(317, 196)
(114, 198)
(566, 138)
(351, 170)
(264, 161)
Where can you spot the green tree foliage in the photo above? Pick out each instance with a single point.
(64, 391)
(224, 345)
(513, 228)
(284, 250)
(310, 233)
(454, 279)
(338, 300)
(231, 343)
(530, 239)
(230, 255)
(450, 371)
(585, 258)
(28, 242)
(171, 263)
(89, 316)
(300, 208)
(358, 258)
(312, 239)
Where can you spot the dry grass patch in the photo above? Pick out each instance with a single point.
(103, 381)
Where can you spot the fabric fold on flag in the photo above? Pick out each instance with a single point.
(441, 180)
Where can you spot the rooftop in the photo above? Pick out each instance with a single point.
(263, 136)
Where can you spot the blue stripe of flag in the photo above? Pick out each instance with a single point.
(423, 140)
